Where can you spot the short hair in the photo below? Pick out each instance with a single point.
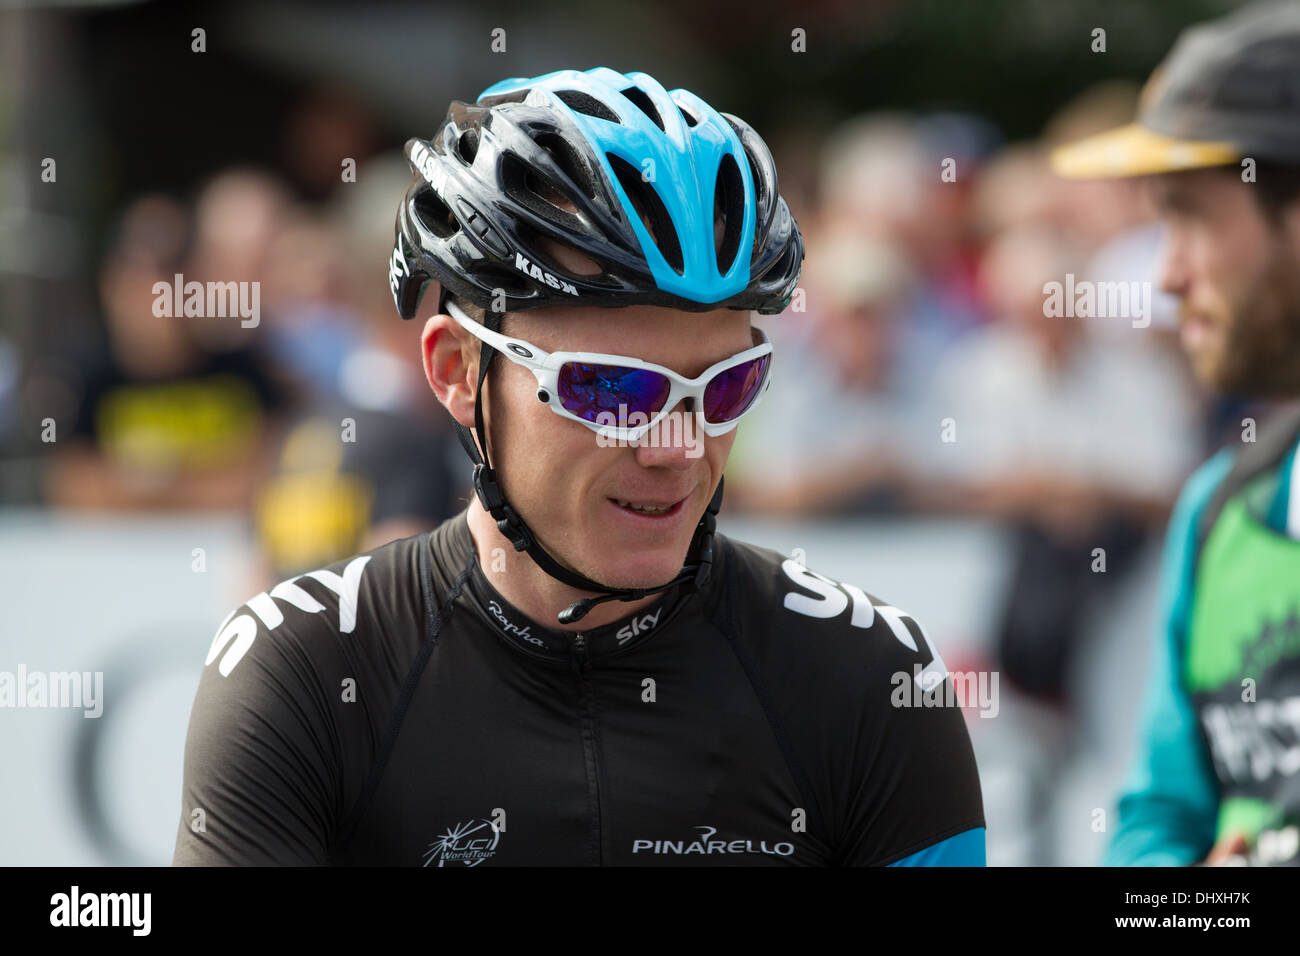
(1276, 186)
(479, 315)
(475, 312)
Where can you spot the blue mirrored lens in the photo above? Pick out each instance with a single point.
(588, 390)
(730, 393)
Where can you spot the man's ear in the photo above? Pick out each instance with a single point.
(451, 366)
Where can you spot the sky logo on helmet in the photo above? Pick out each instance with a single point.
(397, 268)
(530, 269)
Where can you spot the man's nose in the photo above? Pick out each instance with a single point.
(674, 442)
(1173, 275)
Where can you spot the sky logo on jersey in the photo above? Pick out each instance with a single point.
(469, 843)
(638, 626)
(236, 635)
(705, 845)
(833, 598)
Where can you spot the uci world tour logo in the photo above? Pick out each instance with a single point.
(468, 843)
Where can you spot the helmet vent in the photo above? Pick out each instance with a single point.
(544, 198)
(434, 214)
(585, 103)
(562, 258)
(641, 99)
(499, 277)
(729, 208)
(755, 178)
(690, 118)
(566, 157)
(785, 263)
(467, 146)
(651, 209)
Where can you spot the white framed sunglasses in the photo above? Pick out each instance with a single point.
(605, 392)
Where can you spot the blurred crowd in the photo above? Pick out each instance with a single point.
(311, 416)
(916, 373)
(927, 375)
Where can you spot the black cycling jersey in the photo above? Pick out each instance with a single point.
(394, 709)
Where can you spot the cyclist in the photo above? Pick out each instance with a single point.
(1219, 137)
(577, 669)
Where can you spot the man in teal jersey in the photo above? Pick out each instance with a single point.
(1217, 775)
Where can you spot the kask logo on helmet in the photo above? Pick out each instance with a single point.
(529, 269)
(423, 160)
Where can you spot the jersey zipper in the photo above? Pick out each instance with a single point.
(587, 712)
(580, 650)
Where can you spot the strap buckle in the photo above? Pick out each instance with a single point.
(508, 520)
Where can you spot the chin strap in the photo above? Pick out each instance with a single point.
(693, 574)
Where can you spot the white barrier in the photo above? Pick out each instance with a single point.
(121, 596)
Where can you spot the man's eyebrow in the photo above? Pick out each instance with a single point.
(1174, 197)
(755, 340)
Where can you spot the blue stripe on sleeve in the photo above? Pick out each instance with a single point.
(964, 849)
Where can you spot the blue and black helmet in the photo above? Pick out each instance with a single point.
(675, 203)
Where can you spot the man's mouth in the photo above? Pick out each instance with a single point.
(650, 508)
(1195, 331)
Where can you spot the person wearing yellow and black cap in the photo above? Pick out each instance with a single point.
(1217, 775)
